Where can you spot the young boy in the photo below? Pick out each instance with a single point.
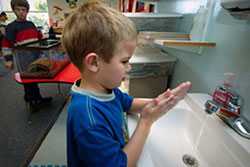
(3, 18)
(100, 41)
(17, 32)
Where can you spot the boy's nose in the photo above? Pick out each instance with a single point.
(129, 67)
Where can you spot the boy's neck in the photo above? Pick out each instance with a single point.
(20, 20)
(93, 87)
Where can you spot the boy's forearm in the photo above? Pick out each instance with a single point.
(136, 143)
(138, 104)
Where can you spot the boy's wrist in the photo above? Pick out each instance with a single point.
(145, 123)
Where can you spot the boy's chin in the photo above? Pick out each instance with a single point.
(115, 86)
(112, 85)
(21, 18)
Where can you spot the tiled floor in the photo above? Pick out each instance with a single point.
(52, 152)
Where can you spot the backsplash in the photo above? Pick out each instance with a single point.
(157, 24)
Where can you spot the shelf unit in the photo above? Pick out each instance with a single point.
(174, 40)
(166, 42)
(153, 15)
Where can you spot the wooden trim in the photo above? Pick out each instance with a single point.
(165, 35)
(185, 43)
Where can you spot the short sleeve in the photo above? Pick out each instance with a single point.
(126, 100)
(96, 147)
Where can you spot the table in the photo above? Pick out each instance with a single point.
(68, 75)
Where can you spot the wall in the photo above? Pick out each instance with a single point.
(170, 24)
(232, 54)
(179, 6)
(1, 6)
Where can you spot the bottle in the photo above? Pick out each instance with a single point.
(233, 102)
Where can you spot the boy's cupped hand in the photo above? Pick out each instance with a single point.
(164, 102)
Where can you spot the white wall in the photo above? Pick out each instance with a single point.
(178, 6)
(232, 54)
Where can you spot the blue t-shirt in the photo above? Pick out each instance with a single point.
(95, 127)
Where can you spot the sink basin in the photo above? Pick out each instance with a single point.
(188, 136)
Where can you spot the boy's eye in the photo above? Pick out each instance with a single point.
(125, 62)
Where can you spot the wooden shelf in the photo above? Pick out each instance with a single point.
(185, 43)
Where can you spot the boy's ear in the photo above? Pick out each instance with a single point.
(91, 62)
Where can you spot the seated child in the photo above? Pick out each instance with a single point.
(100, 42)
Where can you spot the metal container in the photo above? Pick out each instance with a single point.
(151, 71)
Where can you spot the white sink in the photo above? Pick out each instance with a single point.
(188, 130)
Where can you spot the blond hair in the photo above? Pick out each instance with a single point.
(95, 27)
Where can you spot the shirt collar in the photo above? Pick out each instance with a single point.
(98, 96)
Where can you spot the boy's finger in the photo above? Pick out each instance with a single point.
(152, 104)
(165, 94)
(164, 102)
(182, 89)
(166, 105)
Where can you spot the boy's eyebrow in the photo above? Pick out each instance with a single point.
(127, 57)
